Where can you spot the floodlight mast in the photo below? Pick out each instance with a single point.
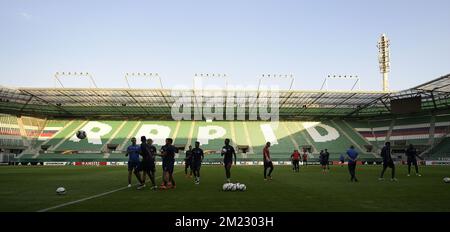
(143, 75)
(384, 59)
(74, 74)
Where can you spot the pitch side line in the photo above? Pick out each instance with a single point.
(81, 200)
(89, 198)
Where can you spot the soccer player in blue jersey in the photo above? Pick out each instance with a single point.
(386, 154)
(168, 156)
(352, 158)
(411, 154)
(227, 153)
(148, 152)
(188, 162)
(133, 152)
(197, 158)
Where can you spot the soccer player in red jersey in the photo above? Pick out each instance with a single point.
(305, 157)
(295, 157)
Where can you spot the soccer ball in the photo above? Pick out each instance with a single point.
(241, 187)
(234, 187)
(227, 187)
(447, 180)
(81, 134)
(61, 191)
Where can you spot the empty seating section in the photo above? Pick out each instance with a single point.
(33, 127)
(121, 135)
(442, 149)
(184, 133)
(241, 137)
(100, 131)
(380, 130)
(374, 132)
(10, 136)
(336, 135)
(415, 130)
(442, 126)
(330, 138)
(286, 142)
(69, 129)
(412, 130)
(356, 138)
(211, 135)
(256, 138)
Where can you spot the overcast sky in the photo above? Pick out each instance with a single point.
(240, 38)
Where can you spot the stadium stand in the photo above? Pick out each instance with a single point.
(59, 136)
(10, 135)
(40, 124)
(441, 150)
(285, 136)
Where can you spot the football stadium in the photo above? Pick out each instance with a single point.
(217, 108)
(41, 142)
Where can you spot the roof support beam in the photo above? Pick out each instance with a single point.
(129, 94)
(381, 99)
(71, 98)
(316, 99)
(25, 105)
(58, 107)
(434, 101)
(359, 108)
(336, 105)
(105, 100)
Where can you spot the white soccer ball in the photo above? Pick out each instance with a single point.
(233, 187)
(447, 180)
(225, 186)
(60, 191)
(243, 187)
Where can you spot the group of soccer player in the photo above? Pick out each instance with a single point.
(295, 158)
(352, 156)
(193, 160)
(147, 165)
(148, 152)
(195, 156)
(388, 162)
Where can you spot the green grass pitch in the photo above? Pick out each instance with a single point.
(33, 189)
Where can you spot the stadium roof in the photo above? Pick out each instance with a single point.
(79, 102)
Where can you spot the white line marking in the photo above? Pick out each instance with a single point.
(89, 198)
(81, 200)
